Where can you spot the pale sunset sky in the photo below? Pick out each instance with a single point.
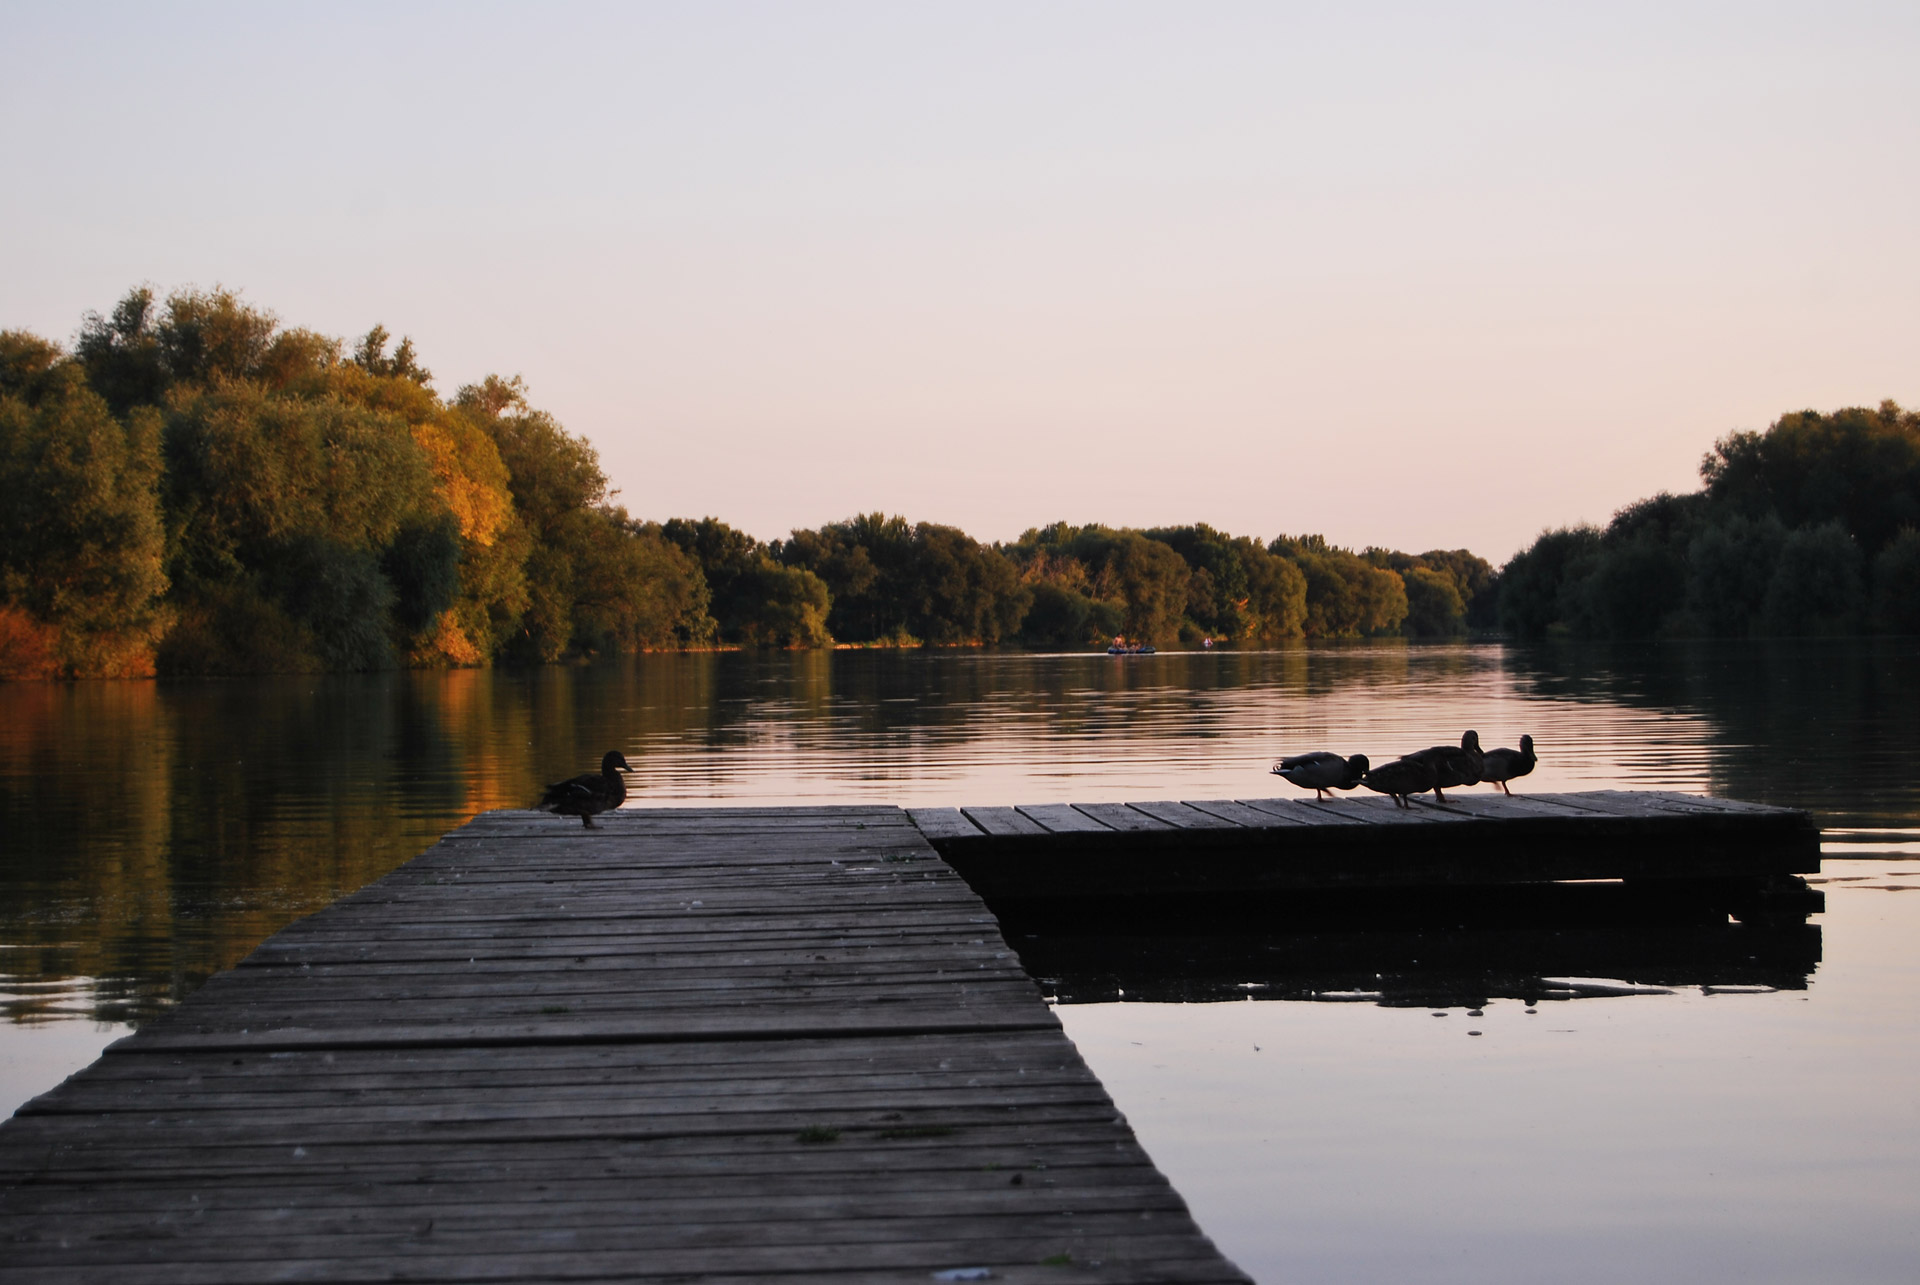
(1407, 274)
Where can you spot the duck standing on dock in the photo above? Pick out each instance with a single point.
(1321, 771)
(1453, 764)
(1398, 779)
(588, 796)
(1500, 766)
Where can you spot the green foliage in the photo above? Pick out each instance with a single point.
(1347, 596)
(279, 500)
(1534, 584)
(337, 593)
(1238, 591)
(1778, 542)
(1896, 584)
(422, 563)
(755, 600)
(1857, 467)
(781, 606)
(25, 361)
(891, 581)
(246, 467)
(1817, 585)
(595, 580)
(633, 591)
(371, 356)
(80, 530)
(1434, 607)
(1633, 590)
(1730, 563)
(1449, 591)
(1128, 583)
(1058, 617)
(309, 510)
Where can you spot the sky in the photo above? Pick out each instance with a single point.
(1413, 275)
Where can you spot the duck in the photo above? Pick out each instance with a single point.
(1453, 764)
(589, 795)
(1501, 766)
(1409, 775)
(1322, 771)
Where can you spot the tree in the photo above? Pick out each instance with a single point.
(780, 606)
(892, 581)
(1817, 585)
(80, 531)
(1434, 608)
(1347, 597)
(756, 600)
(1730, 563)
(1536, 584)
(1238, 590)
(294, 500)
(1896, 584)
(1858, 467)
(634, 591)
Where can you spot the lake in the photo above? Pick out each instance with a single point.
(1684, 1128)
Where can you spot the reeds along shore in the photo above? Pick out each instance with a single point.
(196, 488)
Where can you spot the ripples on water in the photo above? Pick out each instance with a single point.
(155, 832)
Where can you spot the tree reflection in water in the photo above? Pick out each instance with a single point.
(157, 831)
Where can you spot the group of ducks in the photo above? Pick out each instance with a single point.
(1438, 768)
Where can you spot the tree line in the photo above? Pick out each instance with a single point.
(1809, 528)
(193, 488)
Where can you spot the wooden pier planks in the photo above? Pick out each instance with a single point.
(717, 1045)
(1233, 846)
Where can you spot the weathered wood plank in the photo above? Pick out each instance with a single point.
(1183, 817)
(1063, 818)
(1238, 813)
(1118, 816)
(1291, 812)
(1002, 821)
(943, 823)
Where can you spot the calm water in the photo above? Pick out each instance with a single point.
(154, 833)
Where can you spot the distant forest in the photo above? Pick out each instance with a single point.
(196, 489)
(1810, 528)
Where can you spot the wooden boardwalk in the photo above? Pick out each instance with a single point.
(725, 1046)
(1215, 848)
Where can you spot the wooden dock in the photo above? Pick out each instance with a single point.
(736, 1045)
(1215, 850)
(722, 1046)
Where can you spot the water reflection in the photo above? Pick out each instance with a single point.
(155, 832)
(1432, 948)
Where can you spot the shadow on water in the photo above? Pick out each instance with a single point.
(1427, 947)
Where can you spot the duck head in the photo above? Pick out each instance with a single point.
(614, 759)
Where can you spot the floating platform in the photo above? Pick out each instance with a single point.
(1211, 852)
(732, 1045)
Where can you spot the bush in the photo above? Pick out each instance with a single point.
(1729, 566)
(1817, 585)
(1896, 584)
(1536, 586)
(80, 529)
(1434, 608)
